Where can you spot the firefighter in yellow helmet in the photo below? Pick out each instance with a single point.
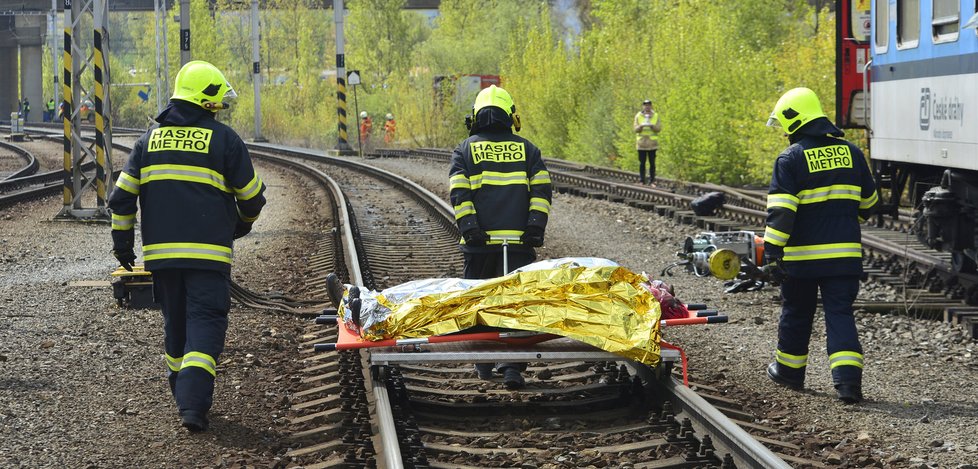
(194, 182)
(500, 188)
(821, 190)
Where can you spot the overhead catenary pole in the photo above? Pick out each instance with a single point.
(53, 39)
(77, 154)
(159, 69)
(256, 67)
(184, 32)
(342, 143)
(103, 124)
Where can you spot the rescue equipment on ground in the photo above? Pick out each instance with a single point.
(592, 300)
(729, 255)
(134, 289)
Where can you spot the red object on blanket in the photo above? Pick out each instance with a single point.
(671, 307)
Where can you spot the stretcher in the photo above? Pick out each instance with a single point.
(569, 309)
(502, 346)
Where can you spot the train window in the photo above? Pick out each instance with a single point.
(908, 23)
(882, 25)
(945, 20)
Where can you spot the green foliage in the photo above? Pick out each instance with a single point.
(712, 69)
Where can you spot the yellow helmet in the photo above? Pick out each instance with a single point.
(494, 96)
(498, 97)
(203, 84)
(796, 108)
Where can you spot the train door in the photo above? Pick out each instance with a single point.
(851, 71)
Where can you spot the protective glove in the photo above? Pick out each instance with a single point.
(533, 236)
(241, 229)
(774, 272)
(126, 258)
(475, 237)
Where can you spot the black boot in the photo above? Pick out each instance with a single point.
(772, 372)
(194, 421)
(849, 393)
(512, 378)
(334, 289)
(355, 311)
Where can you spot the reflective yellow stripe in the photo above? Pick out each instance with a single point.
(868, 202)
(200, 360)
(123, 222)
(250, 190)
(463, 209)
(512, 236)
(846, 358)
(540, 204)
(833, 192)
(475, 181)
(787, 201)
(179, 172)
(775, 237)
(493, 178)
(173, 362)
(212, 252)
(248, 219)
(822, 251)
(542, 177)
(791, 361)
(459, 181)
(127, 183)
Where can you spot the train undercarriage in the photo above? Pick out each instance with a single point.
(945, 203)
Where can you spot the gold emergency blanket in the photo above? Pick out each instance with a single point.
(605, 306)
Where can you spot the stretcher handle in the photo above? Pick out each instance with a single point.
(505, 240)
(690, 321)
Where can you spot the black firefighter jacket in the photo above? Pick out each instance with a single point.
(500, 184)
(821, 190)
(194, 183)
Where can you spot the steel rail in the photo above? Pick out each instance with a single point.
(728, 436)
(32, 164)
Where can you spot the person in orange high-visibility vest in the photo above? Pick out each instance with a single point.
(390, 127)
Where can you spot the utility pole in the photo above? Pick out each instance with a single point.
(184, 32)
(53, 39)
(342, 144)
(256, 68)
(162, 49)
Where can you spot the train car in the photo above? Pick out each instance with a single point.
(921, 86)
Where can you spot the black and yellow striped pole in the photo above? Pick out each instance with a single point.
(103, 134)
(342, 144)
(67, 64)
(78, 184)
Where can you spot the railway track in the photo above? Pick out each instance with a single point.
(30, 167)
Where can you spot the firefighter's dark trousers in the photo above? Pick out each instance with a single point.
(489, 265)
(195, 321)
(799, 297)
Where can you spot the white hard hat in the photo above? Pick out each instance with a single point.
(363, 114)
(389, 116)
